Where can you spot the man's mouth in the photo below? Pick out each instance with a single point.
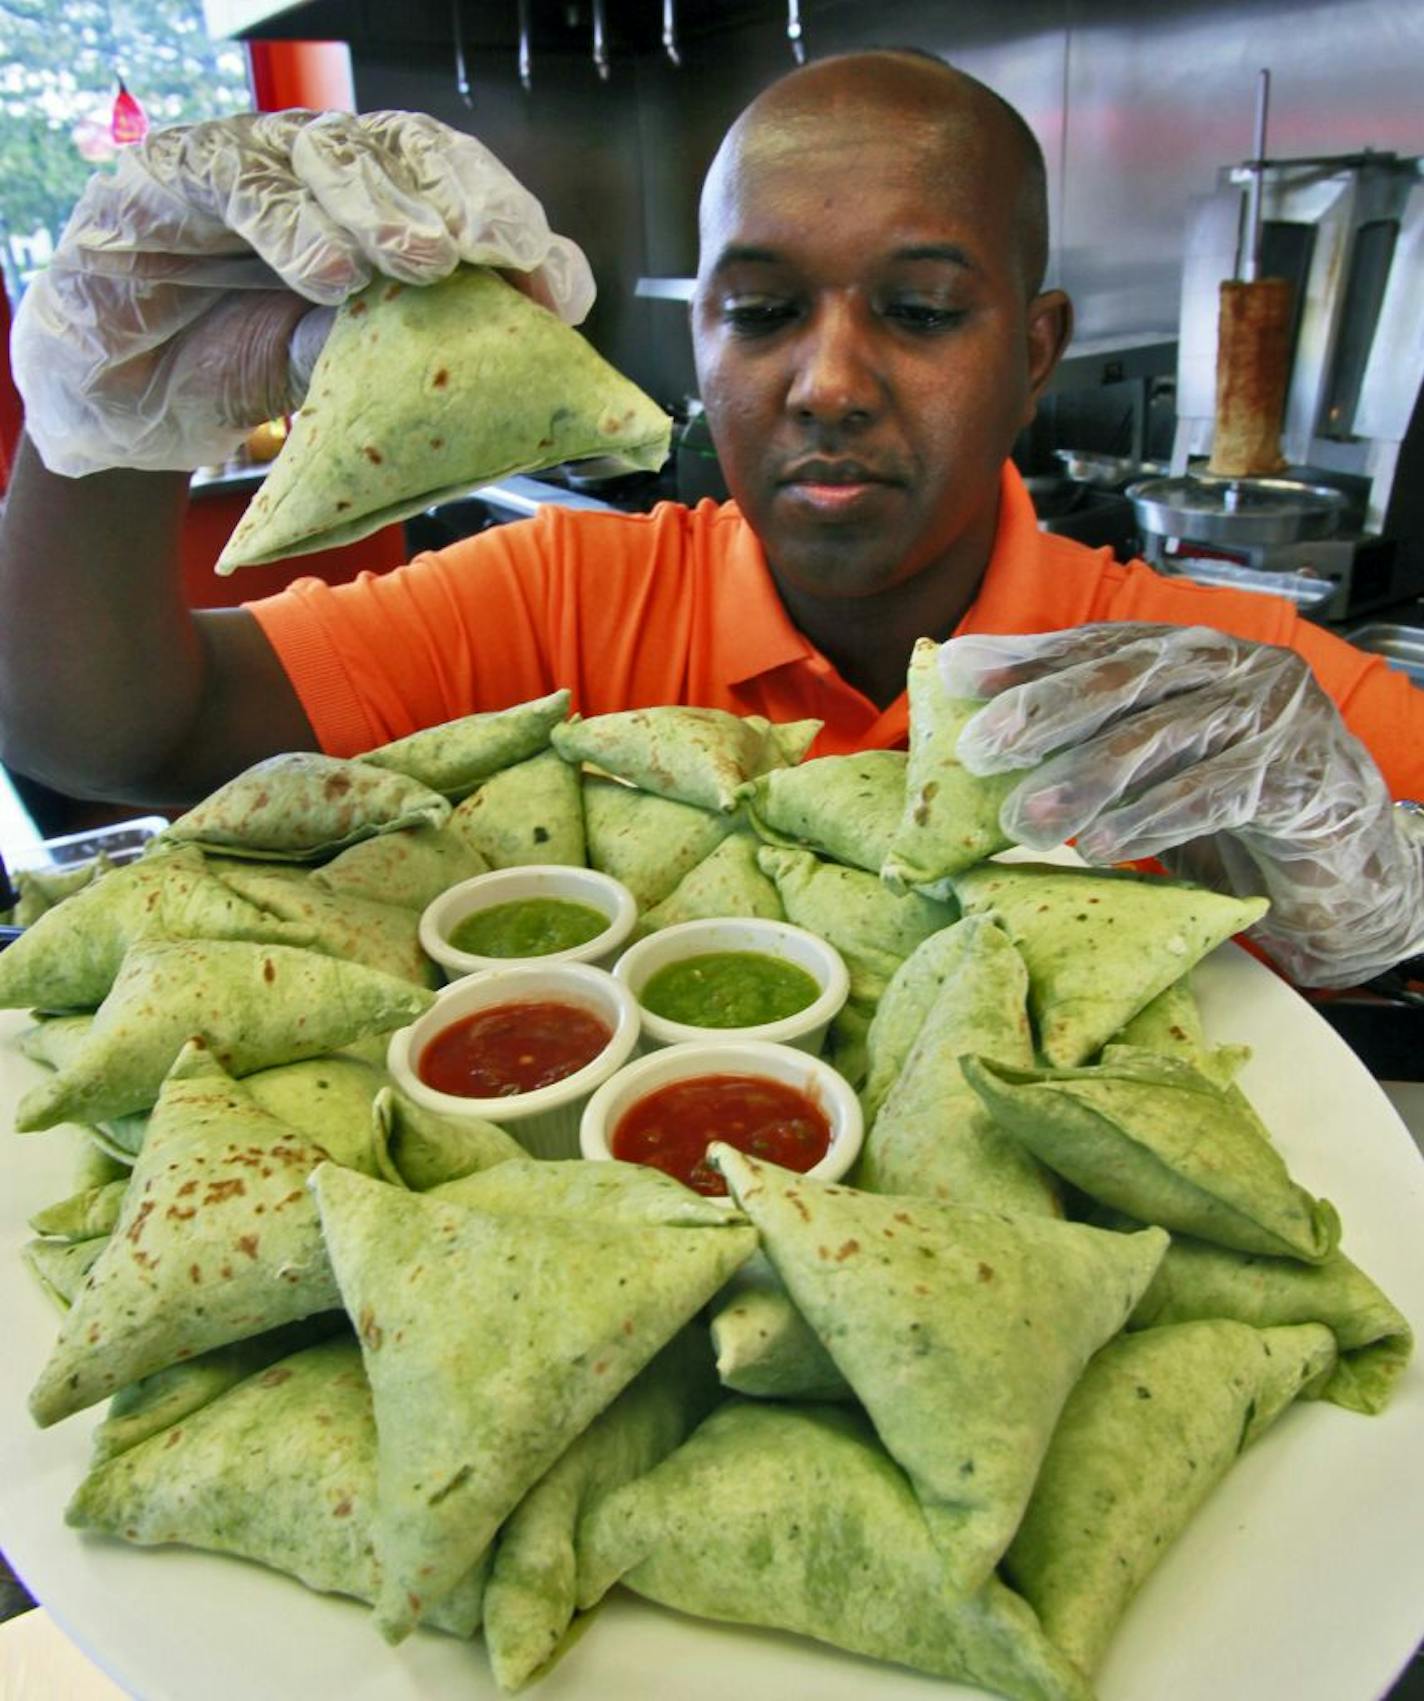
(833, 486)
(823, 471)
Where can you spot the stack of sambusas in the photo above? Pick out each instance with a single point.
(949, 1416)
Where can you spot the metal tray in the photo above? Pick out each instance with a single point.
(1308, 591)
(122, 841)
(1085, 466)
(1246, 512)
(1401, 646)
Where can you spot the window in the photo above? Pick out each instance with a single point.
(60, 61)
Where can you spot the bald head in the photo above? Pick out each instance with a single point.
(956, 127)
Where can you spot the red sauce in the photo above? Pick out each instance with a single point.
(511, 1048)
(673, 1127)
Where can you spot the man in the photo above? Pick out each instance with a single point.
(871, 333)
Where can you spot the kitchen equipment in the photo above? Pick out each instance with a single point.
(795, 34)
(526, 57)
(1245, 511)
(1252, 341)
(1401, 646)
(1250, 268)
(462, 69)
(600, 41)
(1106, 472)
(1348, 233)
(1275, 535)
(1092, 514)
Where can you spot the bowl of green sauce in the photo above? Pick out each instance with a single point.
(543, 913)
(744, 978)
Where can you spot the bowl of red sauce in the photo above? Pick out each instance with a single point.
(523, 1047)
(543, 913)
(771, 1101)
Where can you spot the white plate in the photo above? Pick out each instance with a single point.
(1301, 1580)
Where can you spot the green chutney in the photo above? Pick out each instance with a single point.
(528, 927)
(729, 989)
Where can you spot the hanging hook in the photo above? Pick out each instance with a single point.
(670, 31)
(526, 58)
(794, 32)
(600, 42)
(462, 75)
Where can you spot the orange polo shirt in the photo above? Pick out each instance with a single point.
(677, 606)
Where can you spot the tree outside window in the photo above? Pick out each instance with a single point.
(60, 61)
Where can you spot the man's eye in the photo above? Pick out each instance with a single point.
(752, 316)
(923, 315)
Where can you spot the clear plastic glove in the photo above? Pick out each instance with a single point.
(160, 332)
(1220, 757)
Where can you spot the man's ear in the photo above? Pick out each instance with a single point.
(1049, 325)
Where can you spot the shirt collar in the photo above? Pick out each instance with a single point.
(1019, 592)
(755, 634)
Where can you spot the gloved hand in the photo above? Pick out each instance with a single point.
(159, 334)
(1222, 758)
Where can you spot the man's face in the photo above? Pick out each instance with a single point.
(863, 346)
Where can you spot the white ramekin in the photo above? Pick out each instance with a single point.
(806, 1029)
(784, 1063)
(507, 886)
(546, 1121)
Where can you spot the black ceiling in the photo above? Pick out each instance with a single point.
(556, 26)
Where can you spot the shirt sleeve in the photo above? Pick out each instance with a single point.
(1381, 705)
(603, 603)
(453, 632)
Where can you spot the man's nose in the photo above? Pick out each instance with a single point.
(835, 380)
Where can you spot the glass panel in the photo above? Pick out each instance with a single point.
(60, 64)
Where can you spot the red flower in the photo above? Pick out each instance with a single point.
(129, 122)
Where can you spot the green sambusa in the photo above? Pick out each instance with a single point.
(728, 882)
(931, 1134)
(454, 757)
(532, 1588)
(420, 1149)
(166, 1397)
(359, 930)
(68, 958)
(698, 756)
(302, 806)
(1156, 1422)
(961, 1331)
(491, 1342)
(1161, 1141)
(584, 1190)
(796, 1518)
(411, 867)
(420, 394)
(843, 807)
(950, 817)
(872, 928)
(255, 1005)
(61, 1266)
(217, 1240)
(649, 843)
(765, 1347)
(280, 1469)
(529, 813)
(1100, 944)
(1171, 1026)
(1197, 1280)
